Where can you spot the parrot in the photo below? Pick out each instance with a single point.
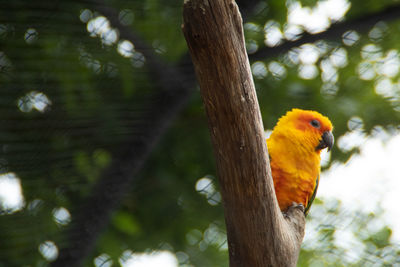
(294, 148)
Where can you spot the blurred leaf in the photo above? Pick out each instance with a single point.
(126, 223)
(381, 238)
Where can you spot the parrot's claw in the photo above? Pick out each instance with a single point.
(298, 206)
(292, 209)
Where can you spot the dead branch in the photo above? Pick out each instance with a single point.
(258, 234)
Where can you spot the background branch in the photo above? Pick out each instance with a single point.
(334, 32)
(174, 91)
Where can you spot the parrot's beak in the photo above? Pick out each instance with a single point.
(326, 141)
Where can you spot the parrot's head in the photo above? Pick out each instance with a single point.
(307, 129)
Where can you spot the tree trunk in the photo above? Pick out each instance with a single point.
(258, 233)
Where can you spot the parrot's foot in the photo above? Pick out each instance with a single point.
(294, 208)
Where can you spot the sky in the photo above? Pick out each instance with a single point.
(368, 180)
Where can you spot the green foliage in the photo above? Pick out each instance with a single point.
(71, 100)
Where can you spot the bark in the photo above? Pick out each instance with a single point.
(258, 233)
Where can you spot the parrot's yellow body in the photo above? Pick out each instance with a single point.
(294, 148)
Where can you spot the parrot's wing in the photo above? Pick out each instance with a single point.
(310, 201)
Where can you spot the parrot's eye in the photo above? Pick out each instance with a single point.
(315, 124)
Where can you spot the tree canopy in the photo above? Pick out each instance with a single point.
(104, 129)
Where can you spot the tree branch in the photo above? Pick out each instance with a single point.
(335, 32)
(258, 234)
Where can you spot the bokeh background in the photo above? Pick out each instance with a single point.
(105, 155)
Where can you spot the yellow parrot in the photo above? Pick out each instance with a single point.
(294, 148)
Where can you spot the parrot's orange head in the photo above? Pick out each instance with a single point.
(307, 128)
